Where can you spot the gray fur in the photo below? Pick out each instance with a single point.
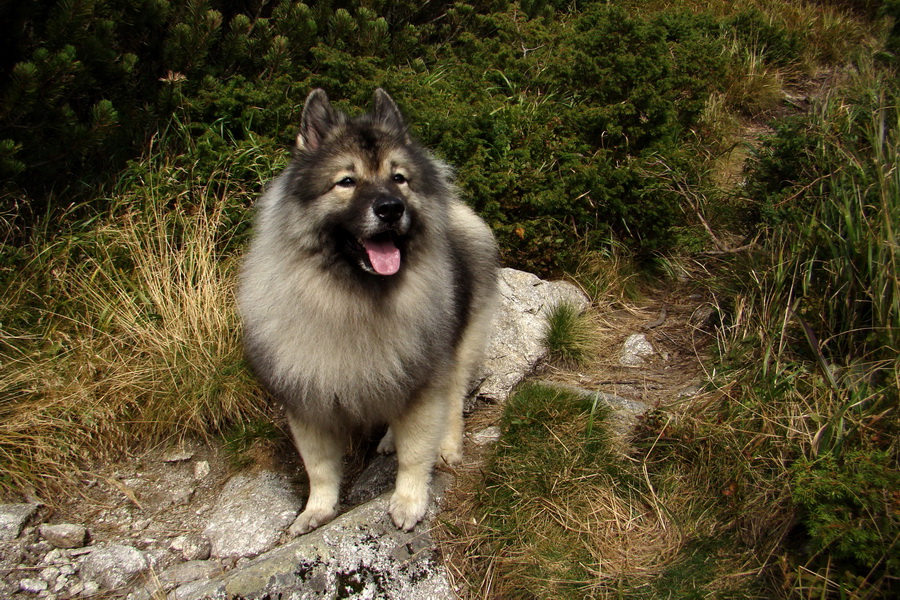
(343, 347)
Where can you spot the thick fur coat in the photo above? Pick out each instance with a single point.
(367, 296)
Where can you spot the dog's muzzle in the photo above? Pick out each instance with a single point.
(382, 255)
(389, 209)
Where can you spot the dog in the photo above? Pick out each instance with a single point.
(366, 296)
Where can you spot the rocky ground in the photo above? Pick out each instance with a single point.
(179, 523)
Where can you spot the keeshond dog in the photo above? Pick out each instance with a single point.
(366, 297)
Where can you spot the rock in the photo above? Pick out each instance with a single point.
(178, 456)
(61, 584)
(377, 478)
(89, 589)
(182, 495)
(358, 555)
(192, 546)
(13, 518)
(67, 570)
(517, 343)
(635, 349)
(689, 391)
(76, 589)
(252, 512)
(488, 435)
(57, 556)
(65, 535)
(33, 586)
(50, 574)
(114, 566)
(201, 469)
(187, 572)
(704, 316)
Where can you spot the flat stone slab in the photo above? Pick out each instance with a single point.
(376, 479)
(359, 555)
(252, 512)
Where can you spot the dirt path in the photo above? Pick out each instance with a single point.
(673, 322)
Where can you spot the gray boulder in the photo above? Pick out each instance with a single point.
(517, 343)
(358, 555)
(252, 512)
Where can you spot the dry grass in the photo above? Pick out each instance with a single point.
(554, 518)
(139, 339)
(563, 508)
(754, 87)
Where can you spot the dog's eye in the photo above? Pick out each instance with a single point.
(346, 182)
(398, 178)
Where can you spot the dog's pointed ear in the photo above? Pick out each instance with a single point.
(318, 119)
(388, 116)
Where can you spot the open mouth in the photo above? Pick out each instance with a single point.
(383, 254)
(379, 254)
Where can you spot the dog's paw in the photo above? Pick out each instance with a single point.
(406, 511)
(309, 519)
(450, 454)
(386, 445)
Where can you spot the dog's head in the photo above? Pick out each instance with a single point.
(368, 185)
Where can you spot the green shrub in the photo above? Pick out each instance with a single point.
(548, 155)
(849, 508)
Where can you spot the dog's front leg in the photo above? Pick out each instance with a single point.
(321, 451)
(417, 435)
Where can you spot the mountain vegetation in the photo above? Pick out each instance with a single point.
(603, 140)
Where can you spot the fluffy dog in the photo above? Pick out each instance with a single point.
(366, 297)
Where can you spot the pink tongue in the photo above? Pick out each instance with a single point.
(384, 256)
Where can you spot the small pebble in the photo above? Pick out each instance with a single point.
(178, 457)
(488, 435)
(33, 586)
(201, 469)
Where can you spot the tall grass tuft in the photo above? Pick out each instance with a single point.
(812, 345)
(849, 255)
(570, 335)
(122, 330)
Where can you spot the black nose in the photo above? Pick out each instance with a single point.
(389, 209)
